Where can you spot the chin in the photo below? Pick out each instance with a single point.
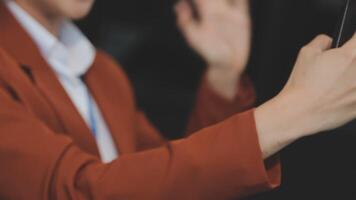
(78, 15)
(81, 10)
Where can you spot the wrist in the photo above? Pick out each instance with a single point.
(224, 82)
(283, 120)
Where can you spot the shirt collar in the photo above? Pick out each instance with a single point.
(72, 54)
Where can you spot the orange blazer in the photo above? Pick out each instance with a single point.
(47, 152)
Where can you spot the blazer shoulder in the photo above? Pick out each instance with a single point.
(113, 71)
(6, 62)
(107, 59)
(111, 65)
(6, 58)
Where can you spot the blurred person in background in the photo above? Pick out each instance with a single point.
(66, 105)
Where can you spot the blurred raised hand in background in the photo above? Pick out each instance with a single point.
(221, 34)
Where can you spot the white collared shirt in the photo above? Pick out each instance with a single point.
(70, 56)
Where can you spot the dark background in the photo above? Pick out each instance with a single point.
(144, 38)
(165, 73)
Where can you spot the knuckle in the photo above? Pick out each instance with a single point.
(324, 37)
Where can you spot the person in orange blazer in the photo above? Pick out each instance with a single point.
(54, 146)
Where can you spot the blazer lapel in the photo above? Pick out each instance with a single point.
(15, 40)
(104, 84)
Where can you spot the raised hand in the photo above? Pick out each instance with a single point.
(320, 95)
(222, 36)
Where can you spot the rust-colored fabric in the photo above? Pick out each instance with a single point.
(211, 108)
(48, 153)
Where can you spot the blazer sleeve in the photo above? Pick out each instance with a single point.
(220, 162)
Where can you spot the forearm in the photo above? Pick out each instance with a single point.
(220, 162)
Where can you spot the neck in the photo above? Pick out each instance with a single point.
(51, 22)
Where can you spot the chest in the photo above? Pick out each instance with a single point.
(42, 94)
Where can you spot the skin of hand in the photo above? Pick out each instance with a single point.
(222, 36)
(319, 96)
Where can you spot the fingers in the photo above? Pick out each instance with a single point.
(185, 17)
(317, 46)
(321, 43)
(207, 7)
(240, 5)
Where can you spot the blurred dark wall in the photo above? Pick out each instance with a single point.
(143, 37)
(165, 73)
